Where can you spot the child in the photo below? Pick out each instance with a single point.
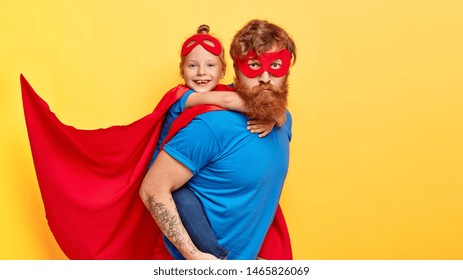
(202, 66)
(89, 179)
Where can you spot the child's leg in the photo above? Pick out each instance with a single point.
(196, 223)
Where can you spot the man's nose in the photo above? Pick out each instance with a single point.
(264, 77)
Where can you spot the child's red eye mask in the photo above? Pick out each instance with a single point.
(208, 42)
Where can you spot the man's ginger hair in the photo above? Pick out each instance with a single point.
(261, 36)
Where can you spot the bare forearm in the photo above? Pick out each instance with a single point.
(165, 176)
(166, 216)
(226, 99)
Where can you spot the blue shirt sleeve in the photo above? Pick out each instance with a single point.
(179, 106)
(194, 146)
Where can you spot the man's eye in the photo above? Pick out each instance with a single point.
(275, 65)
(254, 65)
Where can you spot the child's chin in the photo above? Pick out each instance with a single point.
(205, 88)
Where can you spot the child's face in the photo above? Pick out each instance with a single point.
(202, 70)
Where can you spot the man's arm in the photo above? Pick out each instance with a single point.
(165, 176)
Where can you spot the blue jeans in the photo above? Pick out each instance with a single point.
(197, 225)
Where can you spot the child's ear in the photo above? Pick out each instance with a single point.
(223, 74)
(181, 70)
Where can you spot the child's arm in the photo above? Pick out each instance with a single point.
(227, 99)
(265, 127)
(232, 101)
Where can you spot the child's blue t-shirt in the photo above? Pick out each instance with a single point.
(174, 111)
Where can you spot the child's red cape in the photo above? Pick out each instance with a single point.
(89, 181)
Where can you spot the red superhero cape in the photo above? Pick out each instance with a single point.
(89, 182)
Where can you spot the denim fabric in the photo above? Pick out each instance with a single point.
(197, 225)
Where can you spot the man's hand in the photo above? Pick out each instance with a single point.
(203, 256)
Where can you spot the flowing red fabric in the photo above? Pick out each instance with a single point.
(89, 182)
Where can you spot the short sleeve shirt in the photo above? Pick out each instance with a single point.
(237, 176)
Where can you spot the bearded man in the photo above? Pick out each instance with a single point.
(236, 175)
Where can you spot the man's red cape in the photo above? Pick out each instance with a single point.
(89, 181)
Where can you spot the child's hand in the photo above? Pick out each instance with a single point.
(261, 127)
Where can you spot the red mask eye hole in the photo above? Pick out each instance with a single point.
(208, 42)
(276, 63)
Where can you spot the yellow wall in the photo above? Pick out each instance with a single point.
(376, 98)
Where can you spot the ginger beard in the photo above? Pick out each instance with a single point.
(264, 102)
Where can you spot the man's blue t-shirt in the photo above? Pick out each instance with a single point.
(237, 176)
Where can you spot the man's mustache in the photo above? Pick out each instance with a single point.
(264, 101)
(265, 87)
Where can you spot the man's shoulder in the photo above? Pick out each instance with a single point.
(222, 121)
(289, 117)
(220, 115)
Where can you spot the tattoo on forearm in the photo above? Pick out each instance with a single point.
(169, 224)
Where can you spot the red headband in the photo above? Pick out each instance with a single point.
(200, 39)
(265, 63)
